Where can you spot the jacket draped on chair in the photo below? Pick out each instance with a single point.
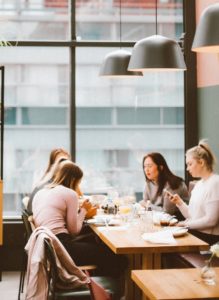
(69, 273)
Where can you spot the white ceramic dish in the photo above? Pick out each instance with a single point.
(180, 232)
(100, 221)
(173, 222)
(96, 222)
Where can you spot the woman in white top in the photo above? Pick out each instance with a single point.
(202, 213)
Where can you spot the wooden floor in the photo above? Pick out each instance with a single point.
(9, 286)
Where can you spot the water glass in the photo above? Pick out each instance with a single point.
(208, 274)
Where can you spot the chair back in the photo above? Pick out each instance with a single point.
(50, 266)
(192, 184)
(27, 223)
(100, 288)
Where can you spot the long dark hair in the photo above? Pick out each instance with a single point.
(165, 175)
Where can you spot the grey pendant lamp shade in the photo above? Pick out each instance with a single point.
(157, 53)
(115, 64)
(207, 32)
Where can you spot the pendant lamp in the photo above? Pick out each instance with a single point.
(115, 64)
(207, 32)
(157, 53)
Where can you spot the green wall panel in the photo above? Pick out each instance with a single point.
(208, 117)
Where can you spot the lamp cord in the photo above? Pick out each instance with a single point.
(156, 15)
(120, 23)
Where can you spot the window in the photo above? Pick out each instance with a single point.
(44, 116)
(49, 75)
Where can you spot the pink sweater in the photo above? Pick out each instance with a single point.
(57, 209)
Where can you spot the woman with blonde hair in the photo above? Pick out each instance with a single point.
(57, 208)
(202, 213)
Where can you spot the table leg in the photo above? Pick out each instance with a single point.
(147, 261)
(157, 261)
(132, 292)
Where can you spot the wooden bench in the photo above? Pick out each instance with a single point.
(187, 260)
(197, 260)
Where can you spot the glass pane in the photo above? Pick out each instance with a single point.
(34, 19)
(174, 115)
(138, 115)
(10, 116)
(100, 19)
(44, 116)
(37, 121)
(94, 116)
(146, 115)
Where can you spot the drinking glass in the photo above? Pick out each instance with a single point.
(107, 219)
(125, 211)
(208, 274)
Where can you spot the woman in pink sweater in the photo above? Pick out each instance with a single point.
(57, 208)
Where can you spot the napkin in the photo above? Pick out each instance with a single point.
(159, 237)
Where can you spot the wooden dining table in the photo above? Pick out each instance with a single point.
(175, 284)
(143, 254)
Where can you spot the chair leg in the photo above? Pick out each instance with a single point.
(22, 275)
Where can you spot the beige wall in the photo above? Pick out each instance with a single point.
(208, 91)
(207, 64)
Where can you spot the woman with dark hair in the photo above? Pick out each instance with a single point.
(202, 213)
(54, 156)
(57, 208)
(57, 155)
(160, 179)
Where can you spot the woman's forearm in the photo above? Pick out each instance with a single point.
(183, 207)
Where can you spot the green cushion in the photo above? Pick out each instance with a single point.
(83, 293)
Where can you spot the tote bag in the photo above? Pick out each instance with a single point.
(97, 291)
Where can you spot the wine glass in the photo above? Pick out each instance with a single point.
(107, 220)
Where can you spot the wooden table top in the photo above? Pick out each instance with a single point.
(175, 284)
(130, 242)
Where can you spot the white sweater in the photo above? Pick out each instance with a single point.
(202, 213)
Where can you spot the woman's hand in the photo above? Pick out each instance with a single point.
(174, 198)
(91, 212)
(182, 224)
(86, 205)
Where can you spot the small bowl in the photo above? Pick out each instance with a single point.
(180, 232)
(173, 222)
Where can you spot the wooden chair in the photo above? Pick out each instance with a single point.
(109, 284)
(29, 227)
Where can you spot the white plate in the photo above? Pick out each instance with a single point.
(96, 222)
(100, 221)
